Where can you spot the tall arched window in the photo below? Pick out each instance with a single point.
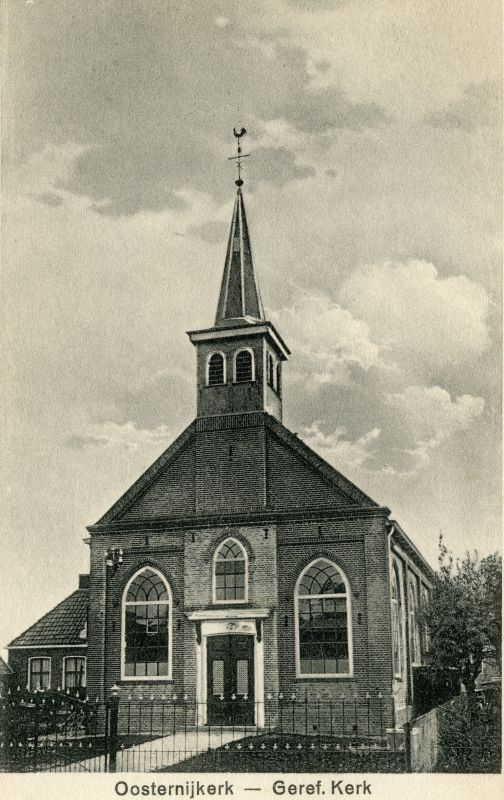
(147, 627)
(216, 372)
(414, 625)
(396, 621)
(230, 584)
(244, 366)
(323, 621)
(279, 379)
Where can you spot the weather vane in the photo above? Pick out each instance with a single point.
(240, 156)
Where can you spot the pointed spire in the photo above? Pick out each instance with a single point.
(239, 298)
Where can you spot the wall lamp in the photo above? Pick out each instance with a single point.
(114, 557)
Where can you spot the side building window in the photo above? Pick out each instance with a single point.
(147, 627)
(74, 672)
(279, 379)
(230, 580)
(414, 625)
(323, 621)
(244, 366)
(396, 622)
(216, 369)
(39, 673)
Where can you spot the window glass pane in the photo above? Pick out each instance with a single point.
(323, 621)
(215, 369)
(217, 677)
(322, 578)
(243, 366)
(146, 628)
(230, 570)
(242, 676)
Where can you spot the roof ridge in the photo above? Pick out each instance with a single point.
(47, 614)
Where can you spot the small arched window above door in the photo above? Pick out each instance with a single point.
(230, 579)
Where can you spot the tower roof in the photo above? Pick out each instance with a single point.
(240, 299)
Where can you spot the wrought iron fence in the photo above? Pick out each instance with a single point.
(52, 732)
(56, 732)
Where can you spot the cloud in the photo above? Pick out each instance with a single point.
(278, 165)
(329, 109)
(429, 321)
(212, 231)
(479, 107)
(433, 417)
(326, 340)
(341, 452)
(153, 118)
(50, 199)
(127, 437)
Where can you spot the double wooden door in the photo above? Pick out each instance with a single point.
(230, 673)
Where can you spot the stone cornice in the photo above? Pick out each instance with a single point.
(262, 518)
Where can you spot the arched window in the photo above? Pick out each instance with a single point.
(147, 627)
(414, 625)
(216, 371)
(271, 372)
(279, 379)
(426, 631)
(323, 621)
(396, 621)
(230, 573)
(244, 366)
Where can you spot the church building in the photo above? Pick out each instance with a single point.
(240, 563)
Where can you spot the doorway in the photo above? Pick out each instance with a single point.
(230, 678)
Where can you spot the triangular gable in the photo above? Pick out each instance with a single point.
(161, 469)
(298, 477)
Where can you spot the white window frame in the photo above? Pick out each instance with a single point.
(207, 368)
(146, 678)
(347, 595)
(214, 582)
(414, 626)
(235, 356)
(63, 681)
(38, 658)
(396, 573)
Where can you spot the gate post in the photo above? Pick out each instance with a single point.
(407, 745)
(113, 704)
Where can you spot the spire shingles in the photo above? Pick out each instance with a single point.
(239, 298)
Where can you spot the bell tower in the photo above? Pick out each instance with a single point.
(239, 359)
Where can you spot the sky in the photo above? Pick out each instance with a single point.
(373, 196)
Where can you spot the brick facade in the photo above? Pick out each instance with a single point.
(237, 472)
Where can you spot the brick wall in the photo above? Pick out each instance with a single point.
(230, 472)
(350, 543)
(18, 662)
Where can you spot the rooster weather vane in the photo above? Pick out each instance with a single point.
(239, 134)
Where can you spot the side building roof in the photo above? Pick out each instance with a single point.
(4, 668)
(65, 624)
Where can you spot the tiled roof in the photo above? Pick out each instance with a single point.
(4, 668)
(64, 624)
